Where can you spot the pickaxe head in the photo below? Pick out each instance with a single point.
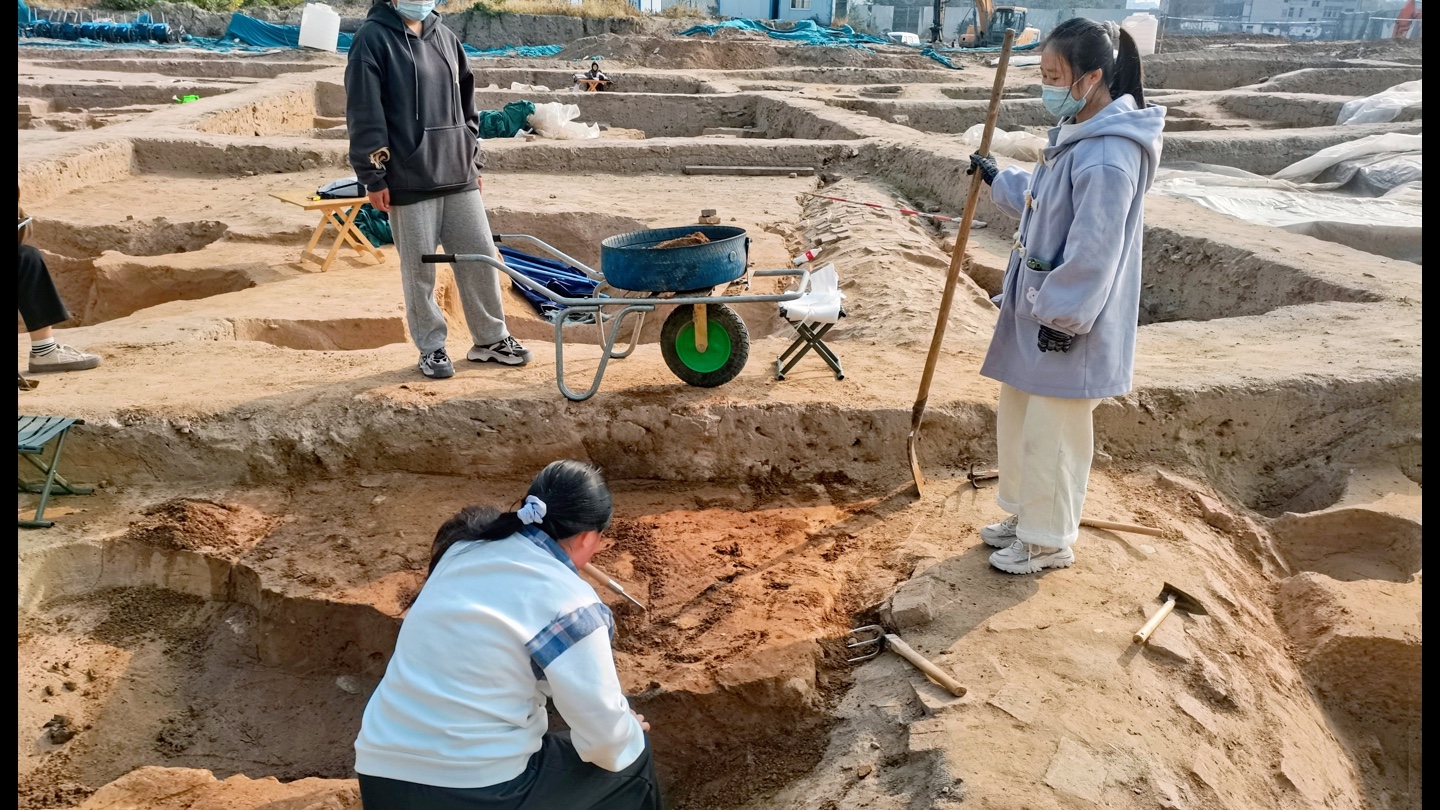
(976, 476)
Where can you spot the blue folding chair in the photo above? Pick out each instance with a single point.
(35, 433)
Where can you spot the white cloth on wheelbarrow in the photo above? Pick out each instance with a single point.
(821, 303)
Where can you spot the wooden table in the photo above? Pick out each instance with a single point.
(592, 85)
(333, 214)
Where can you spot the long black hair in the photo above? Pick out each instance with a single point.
(576, 500)
(1086, 45)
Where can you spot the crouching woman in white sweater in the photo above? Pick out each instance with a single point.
(503, 623)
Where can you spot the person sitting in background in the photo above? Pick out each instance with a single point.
(594, 77)
(41, 308)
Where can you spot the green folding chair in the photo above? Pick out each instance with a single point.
(35, 433)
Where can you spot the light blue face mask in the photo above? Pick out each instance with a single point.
(1059, 101)
(415, 12)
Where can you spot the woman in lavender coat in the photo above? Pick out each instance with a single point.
(1065, 338)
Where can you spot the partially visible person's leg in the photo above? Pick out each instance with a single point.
(1009, 419)
(379, 793)
(566, 782)
(41, 308)
(1057, 448)
(39, 302)
(465, 228)
(416, 229)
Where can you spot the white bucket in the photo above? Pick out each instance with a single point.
(319, 27)
(1142, 28)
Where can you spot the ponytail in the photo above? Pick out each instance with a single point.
(575, 497)
(1087, 45)
(1128, 72)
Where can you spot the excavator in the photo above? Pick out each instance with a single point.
(984, 26)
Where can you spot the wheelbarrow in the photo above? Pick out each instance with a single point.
(704, 341)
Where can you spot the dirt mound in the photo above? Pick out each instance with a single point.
(189, 524)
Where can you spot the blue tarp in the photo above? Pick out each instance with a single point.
(944, 60)
(272, 35)
(142, 30)
(244, 33)
(554, 275)
(805, 32)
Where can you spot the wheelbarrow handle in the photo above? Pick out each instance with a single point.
(437, 258)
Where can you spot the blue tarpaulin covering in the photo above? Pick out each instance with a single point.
(273, 35)
(270, 35)
(554, 275)
(244, 34)
(944, 60)
(805, 32)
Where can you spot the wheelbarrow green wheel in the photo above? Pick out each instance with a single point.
(724, 356)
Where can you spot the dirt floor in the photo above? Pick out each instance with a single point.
(202, 632)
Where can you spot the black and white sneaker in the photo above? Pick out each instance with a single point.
(437, 365)
(508, 351)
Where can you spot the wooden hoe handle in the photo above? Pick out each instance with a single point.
(1122, 527)
(1155, 620)
(967, 216)
(923, 664)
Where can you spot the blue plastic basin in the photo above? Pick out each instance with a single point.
(631, 261)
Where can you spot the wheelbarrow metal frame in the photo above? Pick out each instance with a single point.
(596, 305)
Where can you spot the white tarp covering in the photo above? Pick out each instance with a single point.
(1019, 145)
(1381, 107)
(1364, 194)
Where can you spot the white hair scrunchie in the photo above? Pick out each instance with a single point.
(533, 511)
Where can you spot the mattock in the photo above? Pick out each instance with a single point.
(872, 640)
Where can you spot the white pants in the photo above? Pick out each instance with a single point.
(1046, 445)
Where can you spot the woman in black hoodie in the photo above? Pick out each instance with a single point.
(414, 144)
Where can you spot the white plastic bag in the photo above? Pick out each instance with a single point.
(533, 88)
(555, 120)
(1018, 145)
(1381, 107)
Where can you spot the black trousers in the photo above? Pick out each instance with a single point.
(555, 779)
(40, 304)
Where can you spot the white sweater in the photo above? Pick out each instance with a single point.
(499, 626)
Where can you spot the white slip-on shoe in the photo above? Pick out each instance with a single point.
(63, 358)
(1027, 558)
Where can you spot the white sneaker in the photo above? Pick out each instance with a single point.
(1027, 558)
(1002, 534)
(64, 358)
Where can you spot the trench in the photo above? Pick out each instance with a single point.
(213, 634)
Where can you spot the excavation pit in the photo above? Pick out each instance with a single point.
(246, 638)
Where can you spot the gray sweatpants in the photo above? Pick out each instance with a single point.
(458, 222)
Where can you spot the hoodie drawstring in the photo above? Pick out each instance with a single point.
(415, 70)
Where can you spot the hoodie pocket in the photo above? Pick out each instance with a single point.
(1033, 273)
(445, 157)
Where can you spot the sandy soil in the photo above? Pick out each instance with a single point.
(202, 633)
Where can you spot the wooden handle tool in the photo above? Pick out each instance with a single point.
(922, 663)
(610, 583)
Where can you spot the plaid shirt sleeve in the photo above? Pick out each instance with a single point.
(565, 632)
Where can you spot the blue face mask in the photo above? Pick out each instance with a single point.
(415, 12)
(1059, 101)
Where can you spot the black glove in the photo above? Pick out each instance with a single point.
(1053, 341)
(986, 165)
